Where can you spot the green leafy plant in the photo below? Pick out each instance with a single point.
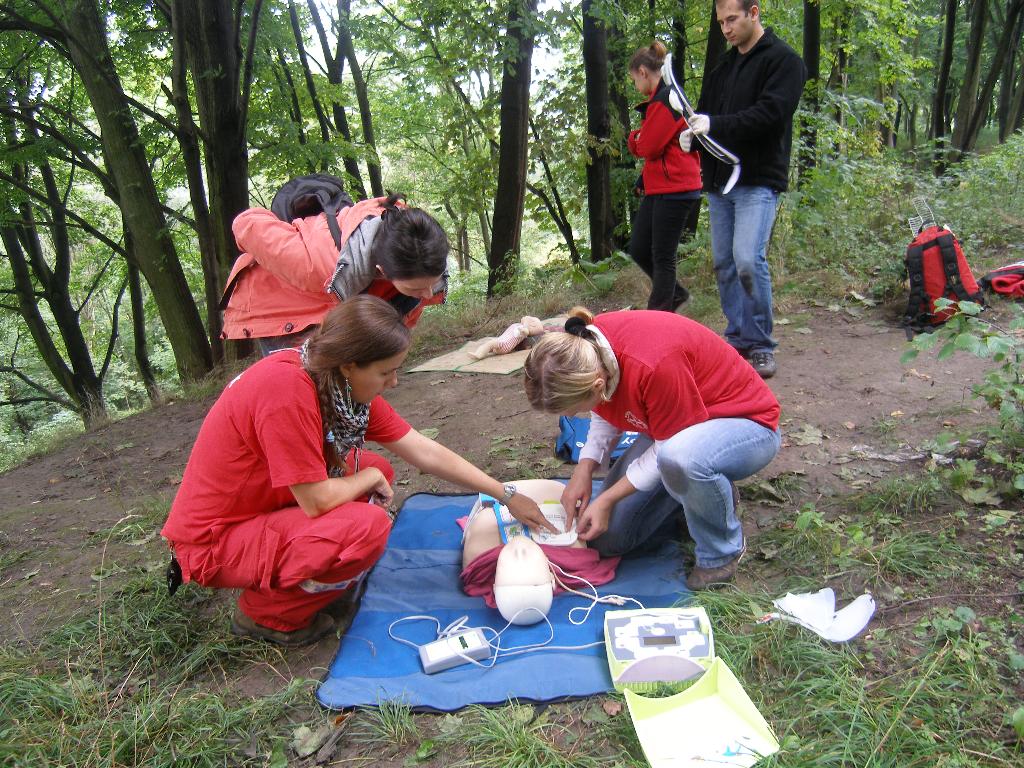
(1002, 387)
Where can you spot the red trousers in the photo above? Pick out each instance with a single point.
(269, 556)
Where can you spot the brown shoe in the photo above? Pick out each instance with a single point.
(709, 578)
(243, 626)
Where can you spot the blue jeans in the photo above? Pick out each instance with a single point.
(697, 467)
(741, 223)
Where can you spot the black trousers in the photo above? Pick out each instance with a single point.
(653, 245)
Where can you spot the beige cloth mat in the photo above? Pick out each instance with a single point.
(460, 360)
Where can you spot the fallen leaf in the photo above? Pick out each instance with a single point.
(808, 434)
(30, 574)
(306, 741)
(611, 707)
(430, 432)
(896, 414)
(806, 331)
(849, 424)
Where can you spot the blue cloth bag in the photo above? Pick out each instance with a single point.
(572, 436)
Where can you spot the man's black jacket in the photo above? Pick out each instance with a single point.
(754, 117)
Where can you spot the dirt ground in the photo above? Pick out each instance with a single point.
(852, 415)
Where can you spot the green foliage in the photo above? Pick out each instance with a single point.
(1002, 387)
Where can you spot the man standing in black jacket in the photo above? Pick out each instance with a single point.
(747, 103)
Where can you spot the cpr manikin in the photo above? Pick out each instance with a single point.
(523, 582)
(522, 575)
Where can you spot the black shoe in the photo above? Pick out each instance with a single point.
(681, 297)
(243, 626)
(763, 361)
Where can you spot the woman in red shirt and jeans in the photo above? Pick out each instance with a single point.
(671, 181)
(705, 418)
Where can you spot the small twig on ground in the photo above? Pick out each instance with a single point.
(959, 596)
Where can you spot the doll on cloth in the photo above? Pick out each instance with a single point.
(512, 338)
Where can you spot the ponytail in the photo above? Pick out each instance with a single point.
(563, 367)
(650, 57)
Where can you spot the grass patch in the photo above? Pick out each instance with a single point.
(139, 525)
(133, 682)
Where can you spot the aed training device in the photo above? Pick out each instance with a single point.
(655, 646)
(448, 652)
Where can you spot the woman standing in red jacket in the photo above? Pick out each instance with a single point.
(671, 181)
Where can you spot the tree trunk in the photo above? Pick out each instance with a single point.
(554, 203)
(625, 203)
(307, 76)
(33, 278)
(812, 60)
(509, 197)
(127, 164)
(365, 115)
(679, 43)
(599, 188)
(139, 344)
(938, 130)
(972, 75)
(335, 64)
(984, 103)
(191, 155)
(716, 41)
(1006, 82)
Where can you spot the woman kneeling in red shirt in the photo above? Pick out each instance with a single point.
(280, 500)
(705, 420)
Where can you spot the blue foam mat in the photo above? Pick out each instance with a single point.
(419, 574)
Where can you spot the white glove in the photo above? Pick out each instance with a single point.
(699, 124)
(686, 140)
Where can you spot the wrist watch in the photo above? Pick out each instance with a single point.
(510, 491)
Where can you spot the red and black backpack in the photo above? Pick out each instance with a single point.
(937, 269)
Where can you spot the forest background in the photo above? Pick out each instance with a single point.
(133, 132)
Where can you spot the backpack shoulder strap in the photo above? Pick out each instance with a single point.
(951, 266)
(917, 303)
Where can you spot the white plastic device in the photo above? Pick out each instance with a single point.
(448, 652)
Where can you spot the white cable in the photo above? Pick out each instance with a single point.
(594, 598)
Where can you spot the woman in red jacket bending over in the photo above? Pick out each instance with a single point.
(296, 265)
(670, 182)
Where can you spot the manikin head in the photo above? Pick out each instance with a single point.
(523, 583)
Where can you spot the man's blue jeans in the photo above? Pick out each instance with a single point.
(741, 223)
(697, 467)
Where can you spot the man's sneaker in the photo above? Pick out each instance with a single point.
(243, 626)
(763, 362)
(710, 578)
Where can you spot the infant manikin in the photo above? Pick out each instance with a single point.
(523, 583)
